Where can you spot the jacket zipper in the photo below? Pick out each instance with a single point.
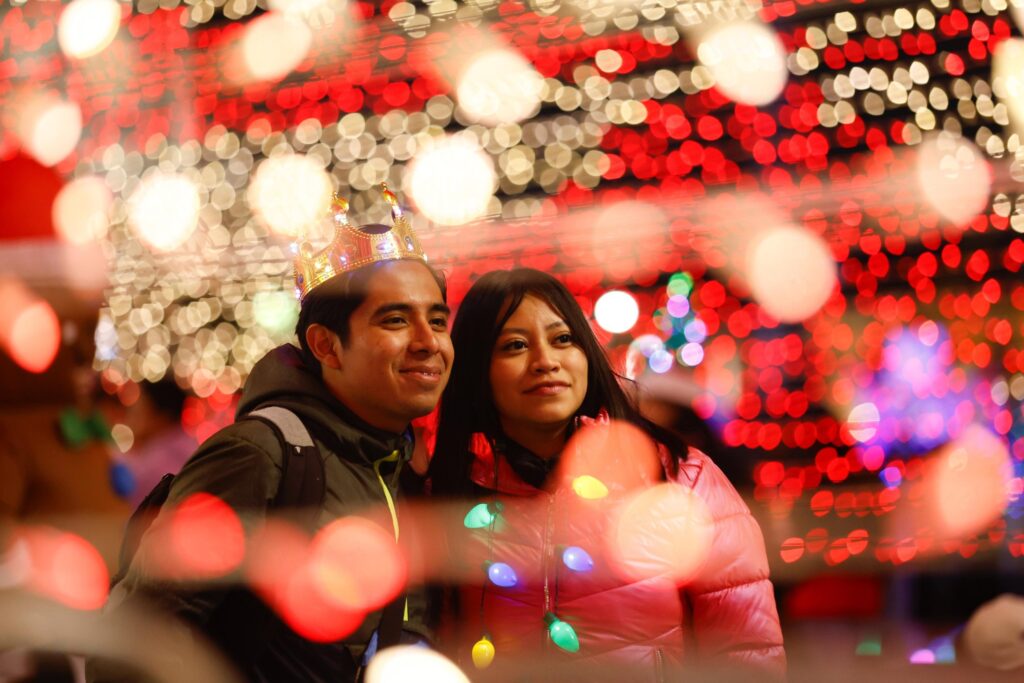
(659, 666)
(548, 554)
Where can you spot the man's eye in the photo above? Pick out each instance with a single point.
(396, 320)
(440, 322)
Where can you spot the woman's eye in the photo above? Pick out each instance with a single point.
(564, 338)
(514, 345)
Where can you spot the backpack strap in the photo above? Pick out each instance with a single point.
(302, 469)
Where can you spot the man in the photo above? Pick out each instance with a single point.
(376, 353)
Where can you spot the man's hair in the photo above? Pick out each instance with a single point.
(332, 303)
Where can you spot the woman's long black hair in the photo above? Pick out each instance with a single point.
(467, 404)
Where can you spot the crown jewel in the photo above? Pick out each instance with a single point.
(353, 247)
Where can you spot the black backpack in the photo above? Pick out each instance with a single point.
(301, 488)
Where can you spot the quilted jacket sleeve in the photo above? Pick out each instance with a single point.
(735, 621)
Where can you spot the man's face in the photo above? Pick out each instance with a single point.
(399, 352)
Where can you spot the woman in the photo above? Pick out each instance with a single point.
(530, 373)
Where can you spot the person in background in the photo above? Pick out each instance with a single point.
(55, 467)
(159, 443)
(530, 374)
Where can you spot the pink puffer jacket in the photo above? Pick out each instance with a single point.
(724, 616)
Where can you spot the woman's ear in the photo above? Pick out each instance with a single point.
(325, 345)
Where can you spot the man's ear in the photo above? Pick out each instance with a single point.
(325, 345)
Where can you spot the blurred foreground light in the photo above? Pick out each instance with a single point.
(791, 273)
(617, 455)
(301, 8)
(863, 421)
(65, 567)
(663, 531)
(970, 481)
(164, 210)
(49, 128)
(404, 663)
(954, 177)
(81, 210)
(451, 181)
(616, 311)
(617, 228)
(87, 27)
(206, 538)
(499, 86)
(281, 571)
(29, 328)
(291, 194)
(344, 577)
(747, 61)
(273, 45)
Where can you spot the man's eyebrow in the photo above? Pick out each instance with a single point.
(523, 331)
(399, 307)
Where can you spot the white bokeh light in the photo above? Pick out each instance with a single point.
(49, 128)
(273, 45)
(291, 194)
(791, 272)
(954, 176)
(452, 180)
(87, 27)
(164, 210)
(403, 663)
(747, 61)
(863, 421)
(1008, 77)
(81, 210)
(616, 311)
(276, 311)
(499, 86)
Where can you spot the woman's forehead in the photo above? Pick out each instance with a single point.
(533, 311)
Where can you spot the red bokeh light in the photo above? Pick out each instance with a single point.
(65, 567)
(205, 538)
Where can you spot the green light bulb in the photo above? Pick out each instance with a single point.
(479, 517)
(562, 634)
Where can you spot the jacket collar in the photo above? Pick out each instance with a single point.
(504, 466)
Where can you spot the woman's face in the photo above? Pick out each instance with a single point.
(538, 371)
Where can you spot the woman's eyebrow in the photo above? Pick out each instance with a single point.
(522, 330)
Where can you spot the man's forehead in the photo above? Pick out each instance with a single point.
(403, 282)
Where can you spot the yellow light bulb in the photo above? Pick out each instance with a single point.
(589, 487)
(483, 653)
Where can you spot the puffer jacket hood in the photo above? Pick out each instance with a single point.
(281, 378)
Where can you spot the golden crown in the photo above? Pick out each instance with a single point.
(353, 247)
